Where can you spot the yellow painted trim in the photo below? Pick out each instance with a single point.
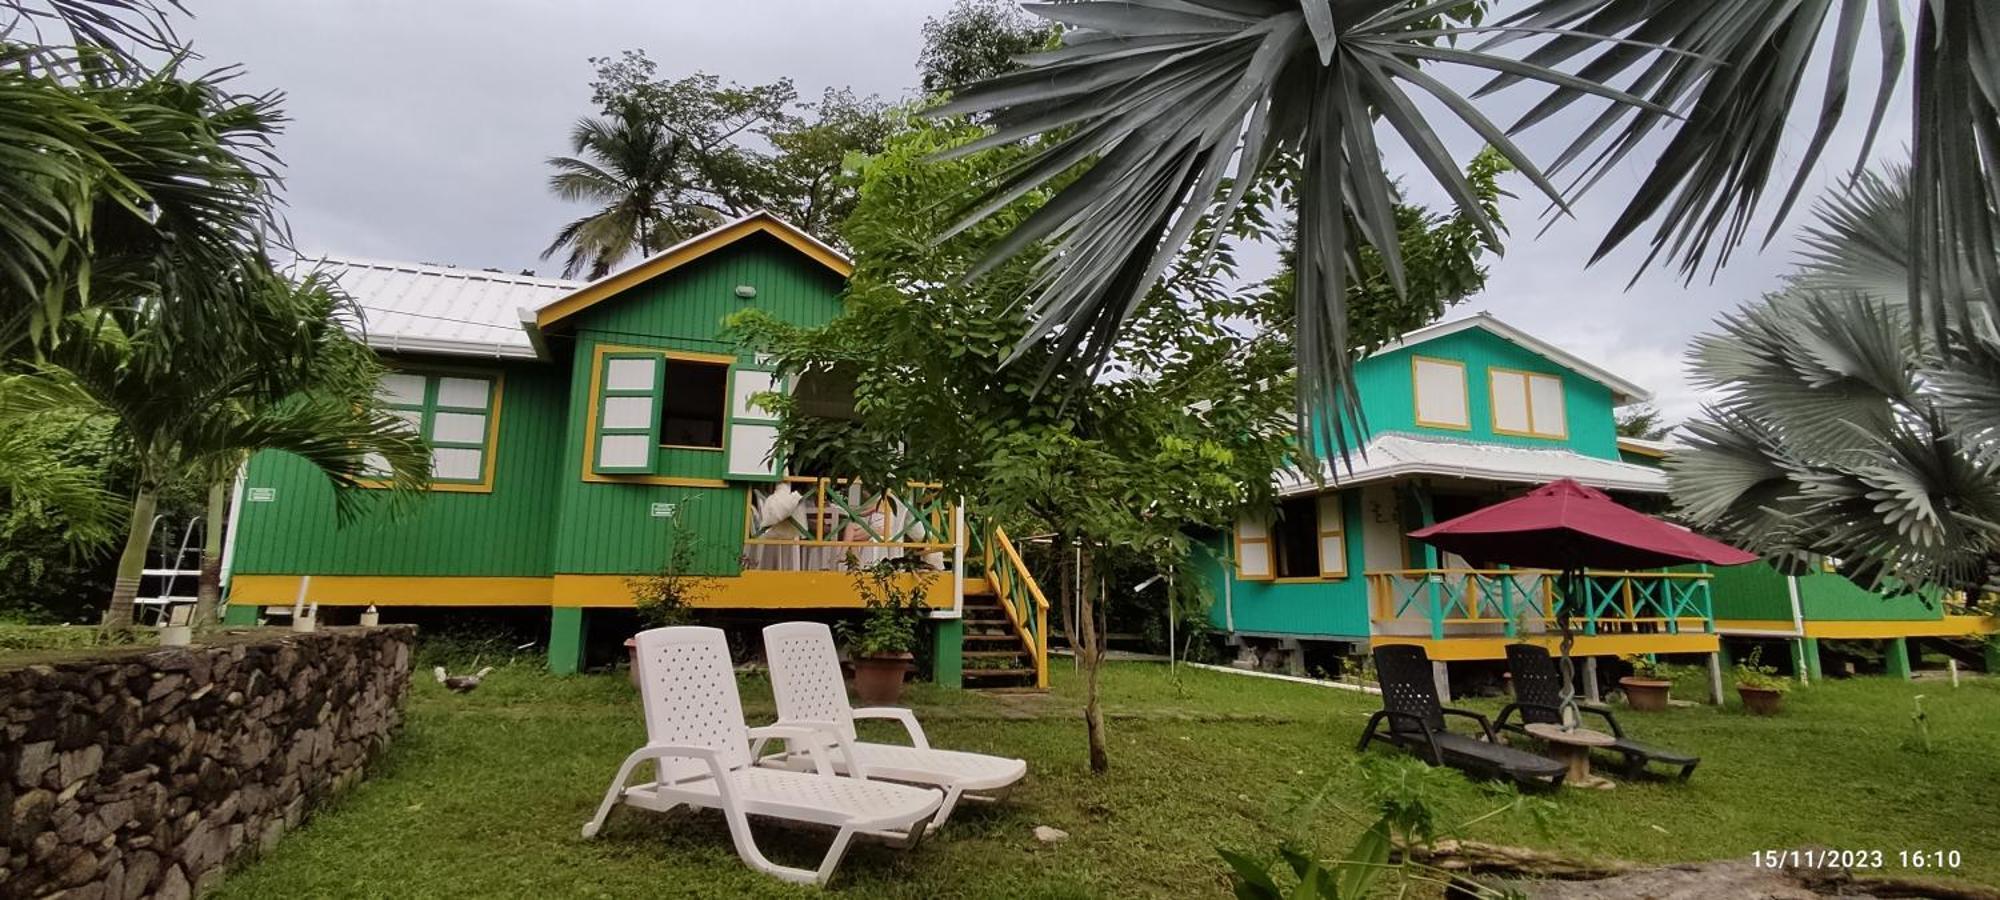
(492, 442)
(762, 223)
(752, 590)
(1416, 414)
(391, 590)
(1236, 548)
(1339, 530)
(593, 401)
(1527, 404)
(1949, 626)
(1753, 625)
(1495, 647)
(1641, 451)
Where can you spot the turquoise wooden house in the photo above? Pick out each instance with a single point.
(573, 423)
(1462, 414)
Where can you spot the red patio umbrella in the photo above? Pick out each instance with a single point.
(1564, 525)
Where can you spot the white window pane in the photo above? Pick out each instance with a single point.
(631, 374)
(1510, 401)
(469, 393)
(1330, 518)
(459, 428)
(1440, 389)
(750, 449)
(1332, 555)
(376, 465)
(748, 385)
(457, 464)
(1546, 405)
(624, 451)
(414, 417)
(627, 412)
(402, 389)
(1251, 530)
(1254, 560)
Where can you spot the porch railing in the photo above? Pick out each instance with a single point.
(1019, 594)
(1526, 600)
(817, 524)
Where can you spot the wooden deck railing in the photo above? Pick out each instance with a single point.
(1019, 594)
(1528, 599)
(816, 524)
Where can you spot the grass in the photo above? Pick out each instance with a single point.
(483, 794)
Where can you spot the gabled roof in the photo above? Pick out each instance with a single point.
(1391, 456)
(420, 308)
(685, 252)
(1623, 391)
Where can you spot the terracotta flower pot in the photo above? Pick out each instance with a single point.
(1761, 701)
(1646, 694)
(879, 679)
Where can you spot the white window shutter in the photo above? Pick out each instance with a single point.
(753, 430)
(1253, 549)
(1510, 402)
(1439, 386)
(628, 413)
(1332, 537)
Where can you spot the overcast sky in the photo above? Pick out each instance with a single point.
(420, 132)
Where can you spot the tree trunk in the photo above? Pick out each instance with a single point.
(132, 562)
(209, 591)
(1089, 652)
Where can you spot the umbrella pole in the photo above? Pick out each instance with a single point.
(1569, 711)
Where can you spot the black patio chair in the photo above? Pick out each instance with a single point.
(1538, 699)
(1416, 723)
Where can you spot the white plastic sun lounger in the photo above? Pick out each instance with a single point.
(703, 755)
(805, 676)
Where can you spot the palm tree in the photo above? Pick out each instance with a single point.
(1168, 110)
(1841, 431)
(632, 165)
(301, 383)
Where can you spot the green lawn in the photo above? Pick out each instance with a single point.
(483, 794)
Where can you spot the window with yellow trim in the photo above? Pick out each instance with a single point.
(1308, 539)
(1253, 549)
(1527, 404)
(1438, 386)
(455, 412)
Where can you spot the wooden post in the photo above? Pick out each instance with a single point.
(1810, 647)
(947, 648)
(1715, 677)
(1896, 658)
(565, 640)
(1590, 693)
(1441, 675)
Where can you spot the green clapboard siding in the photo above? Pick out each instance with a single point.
(1758, 591)
(1388, 397)
(609, 528)
(506, 532)
(1337, 607)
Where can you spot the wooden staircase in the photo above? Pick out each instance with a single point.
(995, 656)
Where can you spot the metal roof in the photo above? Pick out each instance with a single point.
(1625, 391)
(1391, 456)
(421, 308)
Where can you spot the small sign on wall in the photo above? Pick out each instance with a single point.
(263, 494)
(663, 510)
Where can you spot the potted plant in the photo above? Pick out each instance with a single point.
(1646, 689)
(667, 597)
(1763, 692)
(881, 644)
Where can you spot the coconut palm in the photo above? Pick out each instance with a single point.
(1170, 108)
(1839, 429)
(632, 165)
(188, 418)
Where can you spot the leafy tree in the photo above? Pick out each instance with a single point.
(745, 148)
(976, 40)
(1161, 102)
(1181, 435)
(633, 167)
(299, 382)
(1642, 421)
(1840, 430)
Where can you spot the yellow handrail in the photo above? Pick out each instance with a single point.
(1032, 629)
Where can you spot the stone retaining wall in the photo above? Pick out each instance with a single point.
(147, 772)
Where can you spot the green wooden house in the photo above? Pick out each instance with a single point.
(574, 423)
(1461, 415)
